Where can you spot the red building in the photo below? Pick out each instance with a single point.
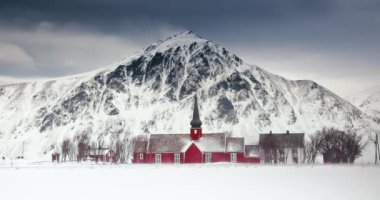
(196, 147)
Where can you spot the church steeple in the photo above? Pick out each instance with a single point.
(196, 123)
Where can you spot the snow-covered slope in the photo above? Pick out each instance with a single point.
(368, 101)
(151, 92)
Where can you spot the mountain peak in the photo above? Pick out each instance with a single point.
(179, 39)
(184, 38)
(186, 34)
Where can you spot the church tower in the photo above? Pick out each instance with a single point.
(196, 123)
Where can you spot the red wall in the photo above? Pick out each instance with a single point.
(225, 157)
(216, 157)
(240, 157)
(193, 154)
(136, 158)
(165, 158)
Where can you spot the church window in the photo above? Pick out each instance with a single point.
(233, 157)
(158, 158)
(177, 158)
(208, 157)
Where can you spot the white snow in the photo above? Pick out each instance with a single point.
(84, 181)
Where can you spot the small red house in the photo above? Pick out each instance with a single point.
(196, 147)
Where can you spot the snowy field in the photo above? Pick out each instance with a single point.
(88, 181)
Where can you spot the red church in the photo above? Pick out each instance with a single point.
(196, 147)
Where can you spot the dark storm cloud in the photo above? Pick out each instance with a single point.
(323, 40)
(196, 13)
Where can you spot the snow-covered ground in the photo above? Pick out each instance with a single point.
(41, 181)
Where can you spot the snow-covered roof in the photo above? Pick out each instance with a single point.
(212, 142)
(235, 145)
(252, 151)
(282, 140)
(161, 143)
(171, 143)
(141, 146)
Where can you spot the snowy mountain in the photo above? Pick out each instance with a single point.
(368, 101)
(151, 92)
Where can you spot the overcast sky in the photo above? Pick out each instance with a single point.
(333, 42)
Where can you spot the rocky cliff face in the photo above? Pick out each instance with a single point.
(151, 92)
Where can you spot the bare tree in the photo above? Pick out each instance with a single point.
(269, 150)
(65, 148)
(354, 145)
(228, 134)
(374, 138)
(83, 146)
(120, 150)
(312, 148)
(73, 151)
(336, 146)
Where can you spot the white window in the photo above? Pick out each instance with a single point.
(195, 131)
(233, 157)
(208, 157)
(177, 158)
(158, 158)
(141, 156)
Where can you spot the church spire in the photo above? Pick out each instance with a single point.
(196, 122)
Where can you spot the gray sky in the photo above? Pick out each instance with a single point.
(333, 42)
